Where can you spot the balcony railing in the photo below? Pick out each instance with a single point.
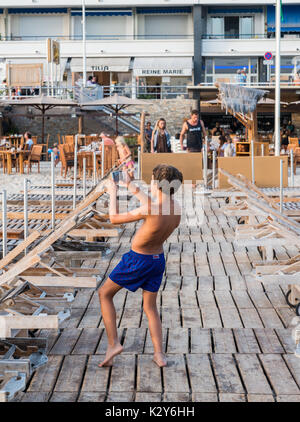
(96, 37)
(248, 36)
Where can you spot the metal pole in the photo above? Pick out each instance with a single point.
(83, 44)
(281, 186)
(262, 150)
(277, 79)
(84, 177)
(102, 159)
(25, 211)
(292, 167)
(205, 163)
(52, 192)
(94, 169)
(252, 162)
(213, 169)
(4, 224)
(139, 163)
(75, 173)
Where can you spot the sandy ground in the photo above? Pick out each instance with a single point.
(14, 183)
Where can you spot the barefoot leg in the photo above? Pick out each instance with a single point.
(106, 294)
(155, 328)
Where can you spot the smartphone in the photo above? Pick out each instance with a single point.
(117, 176)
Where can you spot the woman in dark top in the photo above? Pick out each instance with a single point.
(284, 139)
(160, 141)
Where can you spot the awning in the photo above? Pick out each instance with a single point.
(101, 12)
(163, 66)
(162, 10)
(291, 18)
(98, 64)
(38, 10)
(1, 11)
(216, 10)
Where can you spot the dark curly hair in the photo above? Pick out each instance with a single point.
(169, 178)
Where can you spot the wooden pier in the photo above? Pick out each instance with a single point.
(227, 336)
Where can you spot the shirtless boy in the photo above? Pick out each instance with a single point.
(143, 266)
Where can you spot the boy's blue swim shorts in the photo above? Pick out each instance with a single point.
(138, 270)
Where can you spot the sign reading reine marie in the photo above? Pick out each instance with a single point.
(163, 72)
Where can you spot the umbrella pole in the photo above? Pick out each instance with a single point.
(43, 125)
(117, 123)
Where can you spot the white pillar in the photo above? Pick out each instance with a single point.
(83, 44)
(277, 79)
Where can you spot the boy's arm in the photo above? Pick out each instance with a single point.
(127, 217)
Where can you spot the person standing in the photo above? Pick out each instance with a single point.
(195, 131)
(148, 136)
(160, 140)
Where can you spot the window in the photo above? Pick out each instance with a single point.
(231, 26)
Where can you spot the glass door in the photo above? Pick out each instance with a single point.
(217, 27)
(246, 27)
(231, 26)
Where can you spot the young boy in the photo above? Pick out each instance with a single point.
(143, 266)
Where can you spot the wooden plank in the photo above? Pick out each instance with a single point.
(95, 378)
(279, 375)
(268, 341)
(223, 340)
(134, 340)
(204, 397)
(120, 396)
(201, 340)
(270, 318)
(226, 374)
(246, 340)
(148, 397)
(250, 318)
(87, 342)
(178, 341)
(253, 377)
(175, 376)
(200, 372)
(34, 397)
(122, 374)
(63, 397)
(44, 379)
(286, 339)
(70, 376)
(288, 398)
(242, 299)
(211, 317)
(191, 317)
(148, 375)
(230, 318)
(176, 397)
(92, 397)
(171, 317)
(260, 398)
(91, 318)
(292, 362)
(228, 397)
(66, 342)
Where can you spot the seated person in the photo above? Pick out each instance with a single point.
(290, 128)
(55, 152)
(28, 141)
(223, 141)
(107, 139)
(125, 156)
(217, 130)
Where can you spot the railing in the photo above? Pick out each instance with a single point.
(247, 36)
(96, 37)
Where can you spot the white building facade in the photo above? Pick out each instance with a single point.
(150, 43)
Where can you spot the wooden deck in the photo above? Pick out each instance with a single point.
(226, 335)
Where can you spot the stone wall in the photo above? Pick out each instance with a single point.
(173, 111)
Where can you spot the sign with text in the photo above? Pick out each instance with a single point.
(163, 72)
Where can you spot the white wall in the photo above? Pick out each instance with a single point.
(37, 25)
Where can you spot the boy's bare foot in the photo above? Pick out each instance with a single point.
(160, 359)
(111, 352)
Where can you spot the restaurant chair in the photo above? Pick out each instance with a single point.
(293, 141)
(34, 157)
(66, 157)
(69, 139)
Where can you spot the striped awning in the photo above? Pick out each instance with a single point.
(101, 12)
(37, 10)
(162, 10)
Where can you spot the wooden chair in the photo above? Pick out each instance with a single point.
(293, 141)
(35, 140)
(66, 157)
(69, 139)
(34, 157)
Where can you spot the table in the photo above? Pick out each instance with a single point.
(8, 157)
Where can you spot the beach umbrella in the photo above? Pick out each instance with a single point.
(116, 103)
(43, 104)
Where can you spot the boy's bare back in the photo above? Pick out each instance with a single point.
(155, 230)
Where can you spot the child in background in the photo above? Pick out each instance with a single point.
(125, 154)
